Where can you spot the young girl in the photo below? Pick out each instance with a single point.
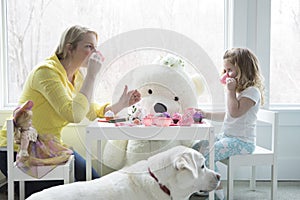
(243, 95)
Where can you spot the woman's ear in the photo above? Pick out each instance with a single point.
(69, 48)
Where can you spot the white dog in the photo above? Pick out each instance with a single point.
(173, 174)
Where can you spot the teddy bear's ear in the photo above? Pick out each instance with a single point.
(199, 84)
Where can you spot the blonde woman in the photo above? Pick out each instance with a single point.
(62, 95)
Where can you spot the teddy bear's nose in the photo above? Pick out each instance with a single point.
(160, 108)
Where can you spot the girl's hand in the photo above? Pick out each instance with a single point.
(231, 84)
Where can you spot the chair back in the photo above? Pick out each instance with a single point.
(270, 117)
(10, 144)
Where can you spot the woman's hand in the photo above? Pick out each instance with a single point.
(128, 98)
(94, 64)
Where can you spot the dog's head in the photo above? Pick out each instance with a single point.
(183, 171)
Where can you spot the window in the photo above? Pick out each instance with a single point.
(285, 45)
(32, 30)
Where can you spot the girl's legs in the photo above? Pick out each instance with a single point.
(229, 146)
(224, 148)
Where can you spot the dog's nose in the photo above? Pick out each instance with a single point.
(160, 108)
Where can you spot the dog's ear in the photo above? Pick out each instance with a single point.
(187, 161)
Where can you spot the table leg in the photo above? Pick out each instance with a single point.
(88, 148)
(99, 156)
(211, 156)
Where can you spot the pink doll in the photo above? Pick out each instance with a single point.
(24, 132)
(36, 149)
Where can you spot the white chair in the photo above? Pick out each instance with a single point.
(61, 172)
(261, 156)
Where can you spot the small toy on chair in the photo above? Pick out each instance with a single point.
(24, 132)
(36, 149)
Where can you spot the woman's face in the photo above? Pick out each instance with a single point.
(84, 49)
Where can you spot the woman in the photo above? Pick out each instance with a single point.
(62, 95)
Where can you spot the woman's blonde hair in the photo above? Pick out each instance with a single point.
(248, 70)
(72, 36)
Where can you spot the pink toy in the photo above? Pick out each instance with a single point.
(197, 117)
(36, 150)
(176, 117)
(101, 56)
(166, 114)
(225, 76)
(148, 120)
(24, 132)
(187, 118)
(163, 121)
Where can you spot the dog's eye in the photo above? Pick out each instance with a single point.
(202, 166)
(176, 99)
(149, 91)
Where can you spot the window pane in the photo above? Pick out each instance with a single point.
(35, 27)
(285, 45)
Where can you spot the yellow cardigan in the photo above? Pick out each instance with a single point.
(56, 101)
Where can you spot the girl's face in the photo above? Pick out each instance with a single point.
(84, 49)
(230, 71)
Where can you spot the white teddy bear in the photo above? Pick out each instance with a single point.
(165, 87)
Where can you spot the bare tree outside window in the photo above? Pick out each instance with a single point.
(34, 28)
(285, 45)
(24, 33)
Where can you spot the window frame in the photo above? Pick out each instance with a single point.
(240, 16)
(3, 55)
(248, 25)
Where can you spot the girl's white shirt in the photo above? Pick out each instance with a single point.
(243, 127)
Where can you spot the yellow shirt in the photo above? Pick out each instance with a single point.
(57, 101)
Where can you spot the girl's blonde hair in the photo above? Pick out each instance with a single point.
(248, 70)
(72, 36)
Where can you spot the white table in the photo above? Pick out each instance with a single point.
(97, 131)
